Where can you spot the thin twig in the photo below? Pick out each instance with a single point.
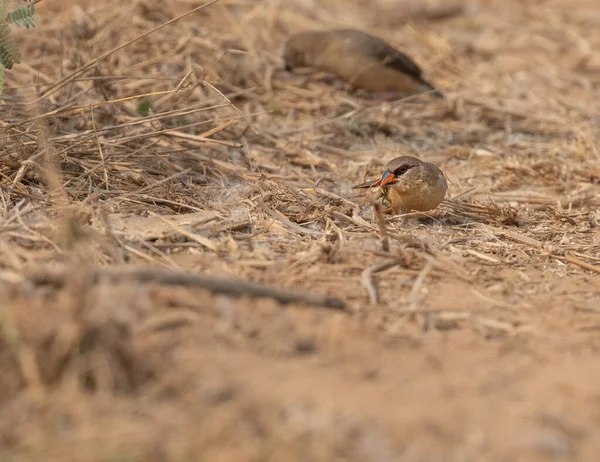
(282, 219)
(204, 241)
(385, 240)
(157, 183)
(100, 151)
(366, 278)
(235, 108)
(413, 297)
(576, 261)
(514, 236)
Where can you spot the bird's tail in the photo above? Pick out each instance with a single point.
(366, 184)
(426, 87)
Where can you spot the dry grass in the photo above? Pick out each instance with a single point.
(144, 168)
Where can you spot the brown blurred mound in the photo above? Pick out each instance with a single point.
(189, 150)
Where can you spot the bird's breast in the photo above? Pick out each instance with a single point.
(416, 195)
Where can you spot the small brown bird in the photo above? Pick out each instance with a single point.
(362, 60)
(411, 184)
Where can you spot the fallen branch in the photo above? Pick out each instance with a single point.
(233, 287)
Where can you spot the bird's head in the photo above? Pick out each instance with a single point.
(293, 57)
(300, 49)
(391, 176)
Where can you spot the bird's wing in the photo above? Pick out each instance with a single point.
(397, 60)
(382, 51)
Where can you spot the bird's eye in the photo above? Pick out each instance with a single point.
(401, 170)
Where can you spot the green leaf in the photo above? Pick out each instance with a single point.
(22, 16)
(9, 53)
(3, 9)
(144, 107)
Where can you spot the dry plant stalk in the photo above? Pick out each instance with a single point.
(383, 233)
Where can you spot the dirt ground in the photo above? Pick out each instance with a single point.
(129, 158)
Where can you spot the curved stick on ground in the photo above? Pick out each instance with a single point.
(232, 287)
(366, 278)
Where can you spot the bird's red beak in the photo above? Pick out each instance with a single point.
(387, 178)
